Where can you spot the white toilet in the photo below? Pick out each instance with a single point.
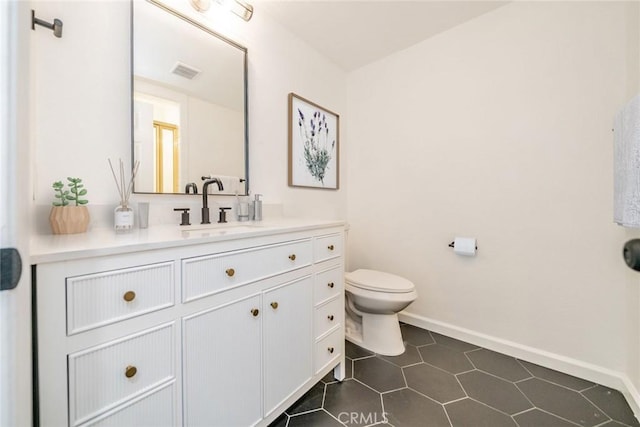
(373, 300)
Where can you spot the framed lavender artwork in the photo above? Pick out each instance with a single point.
(314, 134)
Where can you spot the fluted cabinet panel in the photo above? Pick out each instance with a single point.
(222, 365)
(155, 409)
(207, 275)
(104, 376)
(99, 299)
(287, 340)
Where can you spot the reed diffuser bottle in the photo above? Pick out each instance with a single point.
(123, 216)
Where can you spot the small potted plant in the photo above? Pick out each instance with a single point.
(69, 214)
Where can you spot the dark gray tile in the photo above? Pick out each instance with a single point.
(498, 364)
(452, 361)
(453, 343)
(495, 392)
(281, 421)
(612, 424)
(409, 357)
(556, 377)
(538, 418)
(350, 397)
(415, 336)
(378, 374)
(469, 413)
(310, 401)
(562, 402)
(433, 382)
(317, 418)
(612, 403)
(353, 351)
(406, 408)
(329, 377)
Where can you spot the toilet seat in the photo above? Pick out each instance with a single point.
(378, 281)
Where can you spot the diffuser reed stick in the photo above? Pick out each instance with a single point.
(124, 189)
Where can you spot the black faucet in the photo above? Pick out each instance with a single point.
(191, 186)
(205, 201)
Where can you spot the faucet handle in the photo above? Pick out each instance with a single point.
(223, 215)
(185, 215)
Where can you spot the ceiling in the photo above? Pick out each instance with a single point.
(355, 33)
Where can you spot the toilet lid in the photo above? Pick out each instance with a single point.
(378, 281)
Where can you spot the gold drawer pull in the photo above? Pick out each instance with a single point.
(330, 247)
(255, 312)
(230, 272)
(330, 350)
(330, 317)
(130, 371)
(274, 305)
(330, 284)
(292, 257)
(129, 296)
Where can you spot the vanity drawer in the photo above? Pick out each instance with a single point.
(99, 299)
(328, 284)
(328, 316)
(102, 377)
(327, 247)
(157, 409)
(328, 349)
(208, 275)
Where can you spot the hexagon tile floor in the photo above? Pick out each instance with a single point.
(440, 381)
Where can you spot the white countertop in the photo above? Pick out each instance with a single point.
(105, 241)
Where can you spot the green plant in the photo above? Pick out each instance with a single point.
(73, 194)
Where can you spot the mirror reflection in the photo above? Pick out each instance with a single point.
(189, 104)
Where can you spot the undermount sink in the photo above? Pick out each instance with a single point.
(217, 228)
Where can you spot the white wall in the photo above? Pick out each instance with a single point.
(82, 107)
(500, 129)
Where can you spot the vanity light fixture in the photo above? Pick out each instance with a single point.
(240, 8)
(200, 5)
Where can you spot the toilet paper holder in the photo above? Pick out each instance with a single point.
(452, 244)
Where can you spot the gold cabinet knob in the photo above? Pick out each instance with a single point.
(331, 285)
(330, 350)
(274, 305)
(330, 247)
(130, 371)
(129, 296)
(292, 257)
(255, 312)
(330, 317)
(230, 272)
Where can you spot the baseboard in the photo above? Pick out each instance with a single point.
(567, 365)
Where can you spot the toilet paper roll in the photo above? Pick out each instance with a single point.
(464, 246)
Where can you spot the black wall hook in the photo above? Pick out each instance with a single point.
(56, 26)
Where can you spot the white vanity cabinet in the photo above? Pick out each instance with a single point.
(226, 332)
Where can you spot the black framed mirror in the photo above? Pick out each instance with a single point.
(189, 104)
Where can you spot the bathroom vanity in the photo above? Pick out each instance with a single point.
(225, 325)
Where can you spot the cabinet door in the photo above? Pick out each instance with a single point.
(288, 334)
(222, 365)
